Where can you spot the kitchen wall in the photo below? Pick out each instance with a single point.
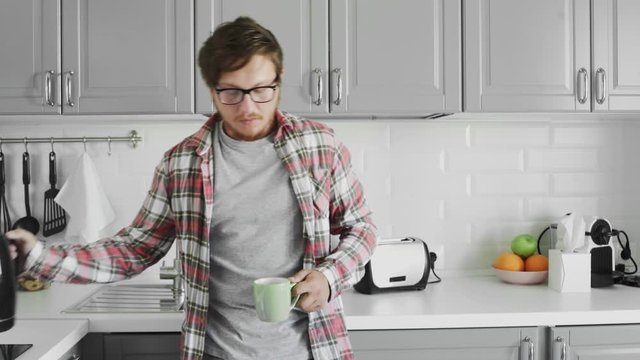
(466, 184)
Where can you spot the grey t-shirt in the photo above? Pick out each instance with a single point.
(256, 231)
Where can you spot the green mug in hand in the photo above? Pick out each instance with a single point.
(273, 298)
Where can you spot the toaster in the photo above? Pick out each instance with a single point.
(397, 264)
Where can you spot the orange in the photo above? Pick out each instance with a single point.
(509, 261)
(536, 262)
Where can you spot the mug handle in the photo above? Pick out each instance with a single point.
(294, 300)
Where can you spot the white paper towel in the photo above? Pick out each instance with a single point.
(571, 231)
(82, 197)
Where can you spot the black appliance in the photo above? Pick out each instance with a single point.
(7, 287)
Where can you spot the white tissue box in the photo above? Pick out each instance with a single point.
(569, 272)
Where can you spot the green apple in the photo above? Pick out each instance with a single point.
(524, 245)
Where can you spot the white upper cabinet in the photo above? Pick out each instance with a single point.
(96, 57)
(526, 55)
(356, 57)
(304, 43)
(616, 55)
(536, 55)
(30, 61)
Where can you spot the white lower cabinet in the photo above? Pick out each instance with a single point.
(592, 342)
(449, 344)
(610, 342)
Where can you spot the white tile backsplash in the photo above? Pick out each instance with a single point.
(510, 184)
(516, 134)
(480, 159)
(466, 186)
(550, 160)
(583, 184)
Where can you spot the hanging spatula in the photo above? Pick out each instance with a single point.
(5, 218)
(55, 219)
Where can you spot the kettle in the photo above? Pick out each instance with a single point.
(7, 287)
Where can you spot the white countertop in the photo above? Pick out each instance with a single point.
(456, 302)
(49, 304)
(485, 301)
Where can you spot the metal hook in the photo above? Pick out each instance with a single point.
(51, 144)
(26, 149)
(84, 141)
(109, 142)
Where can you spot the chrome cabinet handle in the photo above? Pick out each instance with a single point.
(582, 85)
(338, 99)
(563, 353)
(530, 345)
(318, 72)
(69, 88)
(48, 89)
(601, 79)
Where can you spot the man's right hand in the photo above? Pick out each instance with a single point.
(21, 242)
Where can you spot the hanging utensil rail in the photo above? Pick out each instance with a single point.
(133, 138)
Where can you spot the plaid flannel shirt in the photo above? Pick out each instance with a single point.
(179, 207)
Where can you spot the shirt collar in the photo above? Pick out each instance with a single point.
(202, 139)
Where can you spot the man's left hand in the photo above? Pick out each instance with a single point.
(313, 288)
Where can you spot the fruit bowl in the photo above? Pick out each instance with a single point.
(521, 277)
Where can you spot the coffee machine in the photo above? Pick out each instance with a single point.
(7, 287)
(589, 235)
(599, 242)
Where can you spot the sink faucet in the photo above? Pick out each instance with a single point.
(173, 273)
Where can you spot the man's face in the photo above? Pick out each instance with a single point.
(248, 120)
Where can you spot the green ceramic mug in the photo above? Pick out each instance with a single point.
(273, 298)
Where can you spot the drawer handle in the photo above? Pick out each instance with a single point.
(48, 89)
(582, 85)
(69, 89)
(563, 352)
(318, 72)
(530, 345)
(338, 99)
(601, 79)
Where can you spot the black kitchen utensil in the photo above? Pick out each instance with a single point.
(5, 218)
(55, 219)
(28, 222)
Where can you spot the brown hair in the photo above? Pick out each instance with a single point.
(232, 46)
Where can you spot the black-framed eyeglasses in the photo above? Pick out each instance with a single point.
(258, 94)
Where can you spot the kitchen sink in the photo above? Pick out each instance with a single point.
(131, 298)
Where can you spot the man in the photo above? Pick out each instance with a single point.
(255, 192)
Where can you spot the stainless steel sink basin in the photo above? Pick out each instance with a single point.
(130, 298)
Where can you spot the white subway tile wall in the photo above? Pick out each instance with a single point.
(465, 186)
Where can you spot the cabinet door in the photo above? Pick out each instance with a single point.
(123, 56)
(72, 354)
(158, 346)
(447, 344)
(523, 55)
(611, 342)
(301, 27)
(616, 55)
(395, 57)
(30, 56)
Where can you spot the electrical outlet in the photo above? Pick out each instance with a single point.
(439, 250)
